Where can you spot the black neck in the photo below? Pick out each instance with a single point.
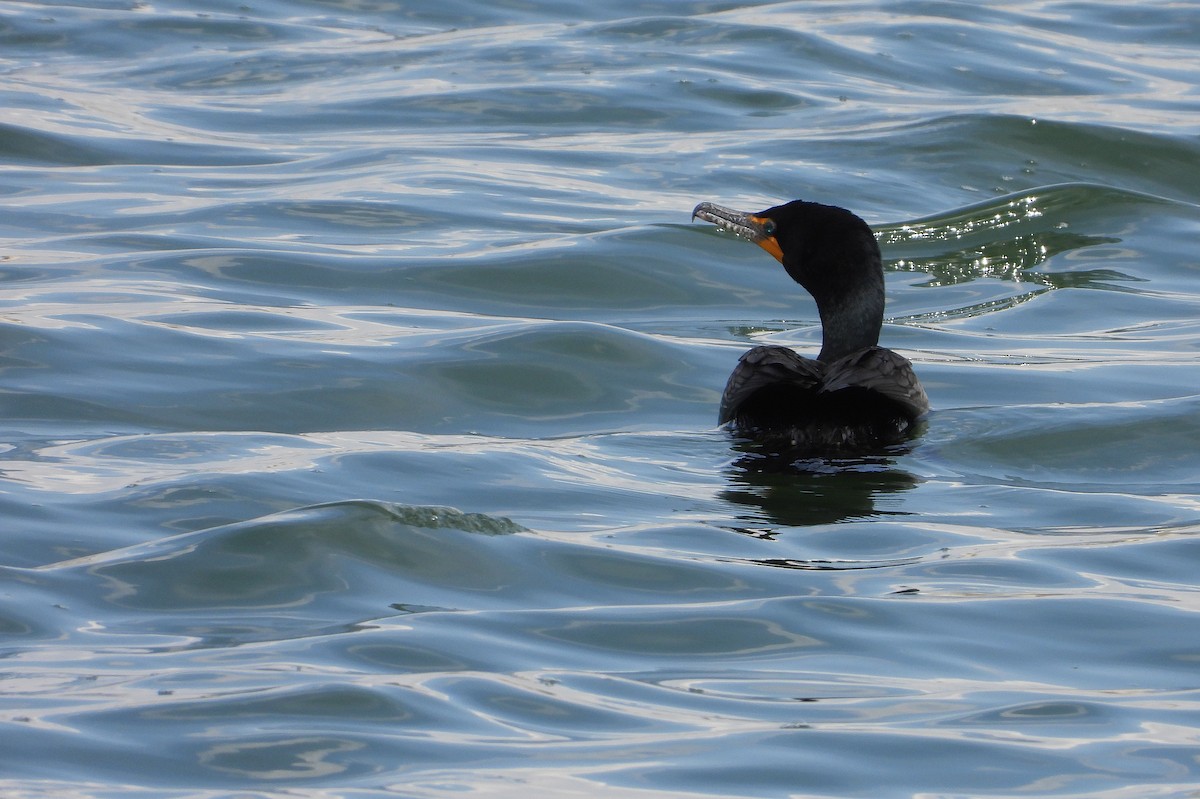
(851, 324)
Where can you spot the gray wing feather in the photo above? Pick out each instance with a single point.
(768, 366)
(882, 371)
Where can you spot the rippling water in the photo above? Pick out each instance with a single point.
(360, 368)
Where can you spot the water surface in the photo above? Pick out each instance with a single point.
(359, 369)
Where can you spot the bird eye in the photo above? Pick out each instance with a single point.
(769, 227)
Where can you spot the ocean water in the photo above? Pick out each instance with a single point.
(359, 370)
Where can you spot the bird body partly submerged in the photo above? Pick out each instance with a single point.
(863, 402)
(855, 396)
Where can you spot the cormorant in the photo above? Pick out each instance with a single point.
(856, 397)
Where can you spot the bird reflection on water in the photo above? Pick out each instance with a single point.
(801, 493)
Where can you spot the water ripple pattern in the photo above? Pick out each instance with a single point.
(359, 370)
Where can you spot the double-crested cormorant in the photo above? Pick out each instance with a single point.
(856, 396)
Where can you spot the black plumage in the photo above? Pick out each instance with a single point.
(855, 396)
